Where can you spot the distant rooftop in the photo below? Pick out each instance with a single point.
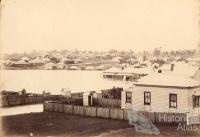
(147, 70)
(180, 68)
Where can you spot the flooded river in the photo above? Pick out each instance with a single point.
(21, 109)
(36, 81)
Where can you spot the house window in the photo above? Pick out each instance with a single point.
(173, 100)
(147, 98)
(128, 97)
(196, 101)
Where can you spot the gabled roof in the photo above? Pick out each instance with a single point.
(169, 80)
(88, 93)
(37, 60)
(25, 58)
(21, 62)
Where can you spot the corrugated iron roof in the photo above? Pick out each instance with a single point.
(169, 80)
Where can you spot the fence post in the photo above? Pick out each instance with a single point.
(123, 114)
(96, 111)
(84, 110)
(53, 106)
(43, 106)
(109, 112)
(107, 102)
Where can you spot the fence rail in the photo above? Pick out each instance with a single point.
(112, 113)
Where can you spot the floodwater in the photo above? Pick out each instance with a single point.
(21, 109)
(37, 81)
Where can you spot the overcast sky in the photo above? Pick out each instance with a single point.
(98, 24)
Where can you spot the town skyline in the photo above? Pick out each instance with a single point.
(93, 50)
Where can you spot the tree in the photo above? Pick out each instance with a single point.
(113, 51)
(131, 53)
(144, 56)
(157, 52)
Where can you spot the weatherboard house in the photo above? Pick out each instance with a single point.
(159, 92)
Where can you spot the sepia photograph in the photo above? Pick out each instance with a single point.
(99, 68)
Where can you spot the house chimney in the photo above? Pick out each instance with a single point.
(159, 71)
(172, 67)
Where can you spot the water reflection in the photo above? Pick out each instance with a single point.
(21, 109)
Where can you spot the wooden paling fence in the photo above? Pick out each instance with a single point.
(20, 100)
(107, 102)
(14, 100)
(113, 113)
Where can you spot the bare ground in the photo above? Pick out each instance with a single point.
(64, 125)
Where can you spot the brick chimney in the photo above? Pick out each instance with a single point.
(172, 67)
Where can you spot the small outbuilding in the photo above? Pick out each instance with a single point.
(88, 98)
